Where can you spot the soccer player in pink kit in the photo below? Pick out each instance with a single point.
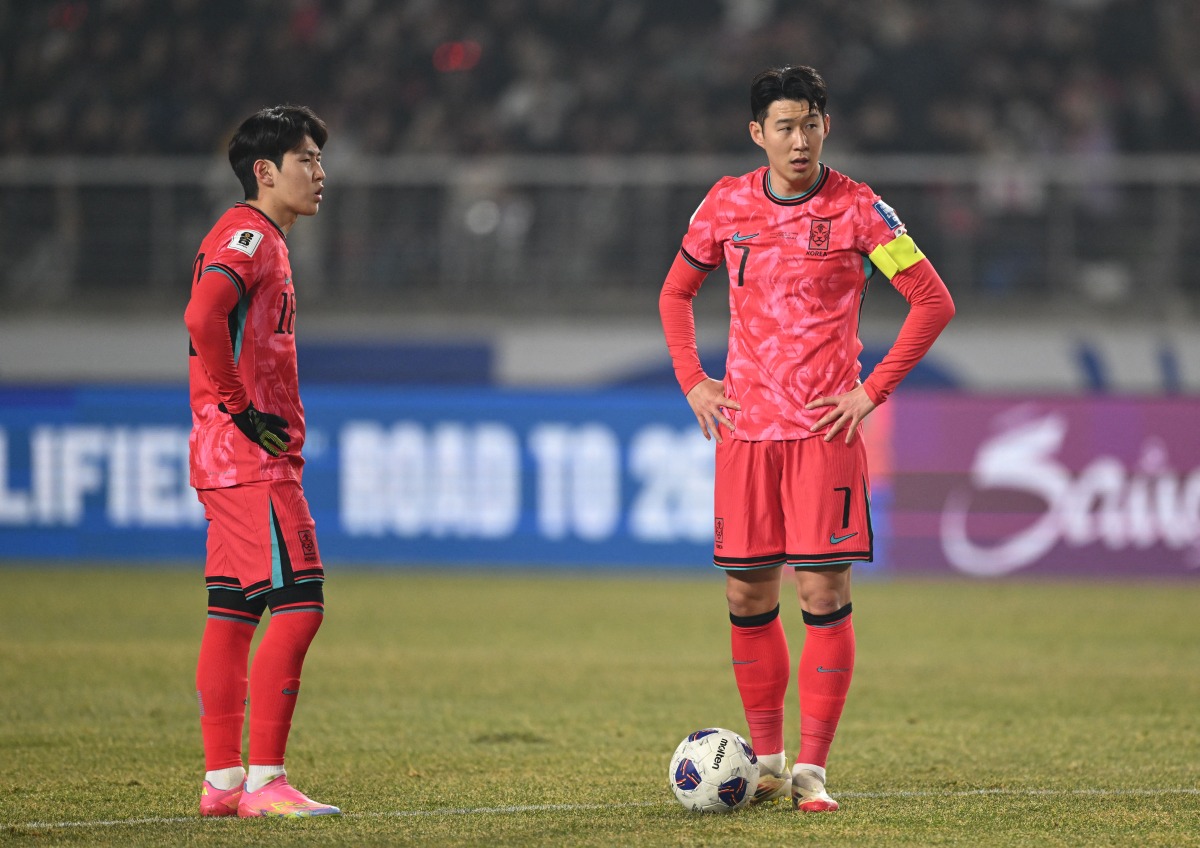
(800, 242)
(246, 468)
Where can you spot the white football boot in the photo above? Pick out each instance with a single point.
(808, 789)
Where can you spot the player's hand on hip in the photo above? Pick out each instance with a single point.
(707, 400)
(267, 431)
(848, 412)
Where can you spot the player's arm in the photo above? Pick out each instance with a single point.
(705, 395)
(930, 310)
(214, 296)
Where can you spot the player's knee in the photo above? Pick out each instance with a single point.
(823, 591)
(750, 598)
(296, 616)
(823, 603)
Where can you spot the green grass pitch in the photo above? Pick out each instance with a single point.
(497, 708)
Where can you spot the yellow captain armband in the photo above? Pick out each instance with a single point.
(896, 255)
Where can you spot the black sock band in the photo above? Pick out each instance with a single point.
(827, 619)
(754, 620)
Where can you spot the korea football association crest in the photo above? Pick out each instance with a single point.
(308, 544)
(246, 241)
(819, 232)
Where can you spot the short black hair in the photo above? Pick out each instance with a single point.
(269, 134)
(787, 83)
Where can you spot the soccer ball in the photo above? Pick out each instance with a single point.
(714, 771)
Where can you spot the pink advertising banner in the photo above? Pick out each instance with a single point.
(1040, 486)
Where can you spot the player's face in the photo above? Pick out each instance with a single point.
(792, 135)
(295, 188)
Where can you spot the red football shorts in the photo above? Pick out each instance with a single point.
(804, 502)
(261, 537)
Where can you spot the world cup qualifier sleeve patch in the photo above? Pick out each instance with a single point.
(246, 241)
(888, 215)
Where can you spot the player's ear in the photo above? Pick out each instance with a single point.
(264, 172)
(756, 133)
(827, 125)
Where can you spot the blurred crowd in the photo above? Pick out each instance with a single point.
(480, 77)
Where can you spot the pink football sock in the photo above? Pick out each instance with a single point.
(275, 682)
(761, 667)
(826, 667)
(221, 689)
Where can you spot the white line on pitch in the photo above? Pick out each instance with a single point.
(1024, 793)
(566, 808)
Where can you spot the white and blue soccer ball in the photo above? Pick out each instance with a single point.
(714, 771)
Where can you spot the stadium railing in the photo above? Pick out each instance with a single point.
(1101, 236)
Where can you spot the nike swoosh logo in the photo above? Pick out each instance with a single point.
(291, 691)
(822, 670)
(740, 237)
(837, 540)
(744, 662)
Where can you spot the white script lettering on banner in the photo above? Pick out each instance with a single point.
(1104, 502)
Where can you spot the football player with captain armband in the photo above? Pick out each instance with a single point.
(800, 242)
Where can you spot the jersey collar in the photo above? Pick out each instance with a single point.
(798, 199)
(264, 215)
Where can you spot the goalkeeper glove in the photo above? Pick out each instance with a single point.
(267, 431)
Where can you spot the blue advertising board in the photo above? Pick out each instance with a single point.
(406, 475)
